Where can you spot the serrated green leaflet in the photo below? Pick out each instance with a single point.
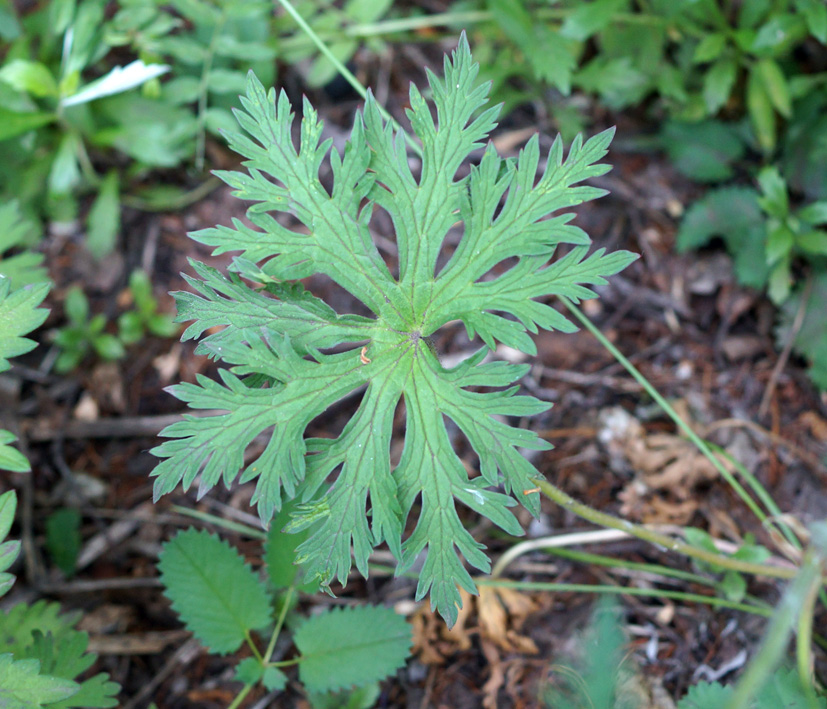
(216, 594)
(347, 647)
(273, 335)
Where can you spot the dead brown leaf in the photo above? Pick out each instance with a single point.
(502, 612)
(426, 637)
(493, 684)
(668, 469)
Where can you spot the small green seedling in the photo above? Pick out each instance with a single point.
(273, 333)
(41, 653)
(791, 232)
(134, 324)
(225, 604)
(767, 238)
(600, 680)
(84, 334)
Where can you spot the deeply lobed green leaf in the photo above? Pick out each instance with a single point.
(495, 281)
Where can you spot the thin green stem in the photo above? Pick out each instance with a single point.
(344, 71)
(85, 163)
(559, 540)
(245, 529)
(271, 646)
(603, 519)
(625, 590)
(287, 663)
(804, 640)
(658, 569)
(762, 494)
(700, 444)
(774, 645)
(245, 690)
(249, 640)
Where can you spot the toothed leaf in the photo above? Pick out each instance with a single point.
(346, 647)
(216, 594)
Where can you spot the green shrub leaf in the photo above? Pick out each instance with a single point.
(105, 217)
(216, 594)
(718, 83)
(347, 647)
(588, 19)
(273, 678)
(280, 553)
(703, 151)
(815, 15)
(65, 657)
(599, 668)
(734, 214)
(249, 670)
(63, 538)
(811, 338)
(759, 106)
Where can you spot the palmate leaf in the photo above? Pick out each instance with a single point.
(350, 497)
